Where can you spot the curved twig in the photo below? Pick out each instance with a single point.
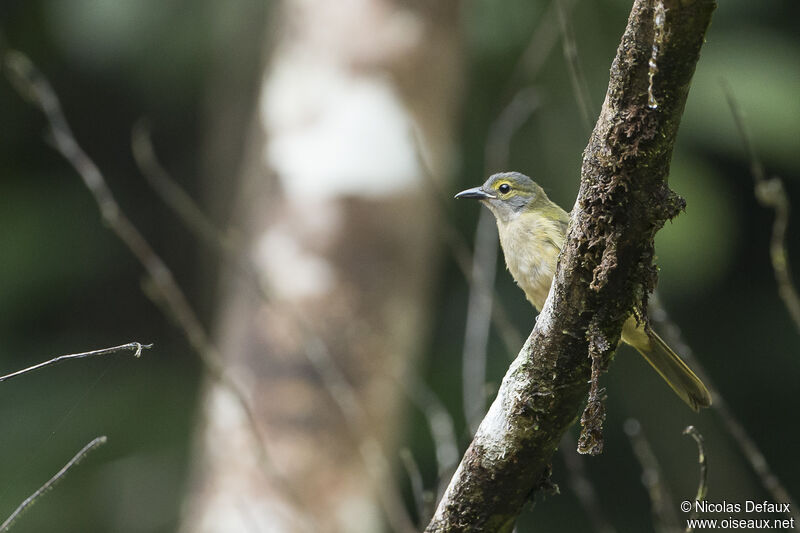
(770, 193)
(702, 486)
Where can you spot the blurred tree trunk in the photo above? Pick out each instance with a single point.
(337, 218)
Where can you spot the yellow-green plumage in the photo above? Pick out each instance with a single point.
(532, 231)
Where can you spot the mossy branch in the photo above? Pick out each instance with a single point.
(605, 271)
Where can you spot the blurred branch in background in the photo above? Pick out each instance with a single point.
(460, 251)
(497, 149)
(442, 430)
(423, 501)
(582, 486)
(576, 76)
(175, 197)
(162, 286)
(137, 349)
(479, 318)
(484, 263)
(770, 193)
(662, 505)
(133, 346)
(50, 483)
(32, 85)
(747, 445)
(541, 43)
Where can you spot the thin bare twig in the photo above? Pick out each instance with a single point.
(702, 487)
(664, 517)
(33, 86)
(50, 483)
(770, 193)
(136, 347)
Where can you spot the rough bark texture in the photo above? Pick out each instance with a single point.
(605, 270)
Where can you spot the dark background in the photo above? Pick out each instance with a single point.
(68, 285)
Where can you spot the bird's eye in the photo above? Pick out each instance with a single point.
(504, 188)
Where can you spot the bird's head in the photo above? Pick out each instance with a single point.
(508, 195)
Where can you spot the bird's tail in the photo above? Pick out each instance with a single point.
(675, 372)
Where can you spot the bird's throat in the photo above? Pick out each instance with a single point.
(531, 244)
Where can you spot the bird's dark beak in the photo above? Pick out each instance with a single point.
(476, 192)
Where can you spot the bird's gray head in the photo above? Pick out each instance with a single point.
(507, 195)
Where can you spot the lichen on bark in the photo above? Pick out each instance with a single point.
(605, 271)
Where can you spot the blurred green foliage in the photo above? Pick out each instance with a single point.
(67, 285)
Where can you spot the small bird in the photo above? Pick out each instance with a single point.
(532, 231)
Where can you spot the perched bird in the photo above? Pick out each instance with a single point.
(532, 231)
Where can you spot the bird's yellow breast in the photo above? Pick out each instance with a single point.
(531, 244)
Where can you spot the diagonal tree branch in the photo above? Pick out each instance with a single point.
(50, 483)
(605, 270)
